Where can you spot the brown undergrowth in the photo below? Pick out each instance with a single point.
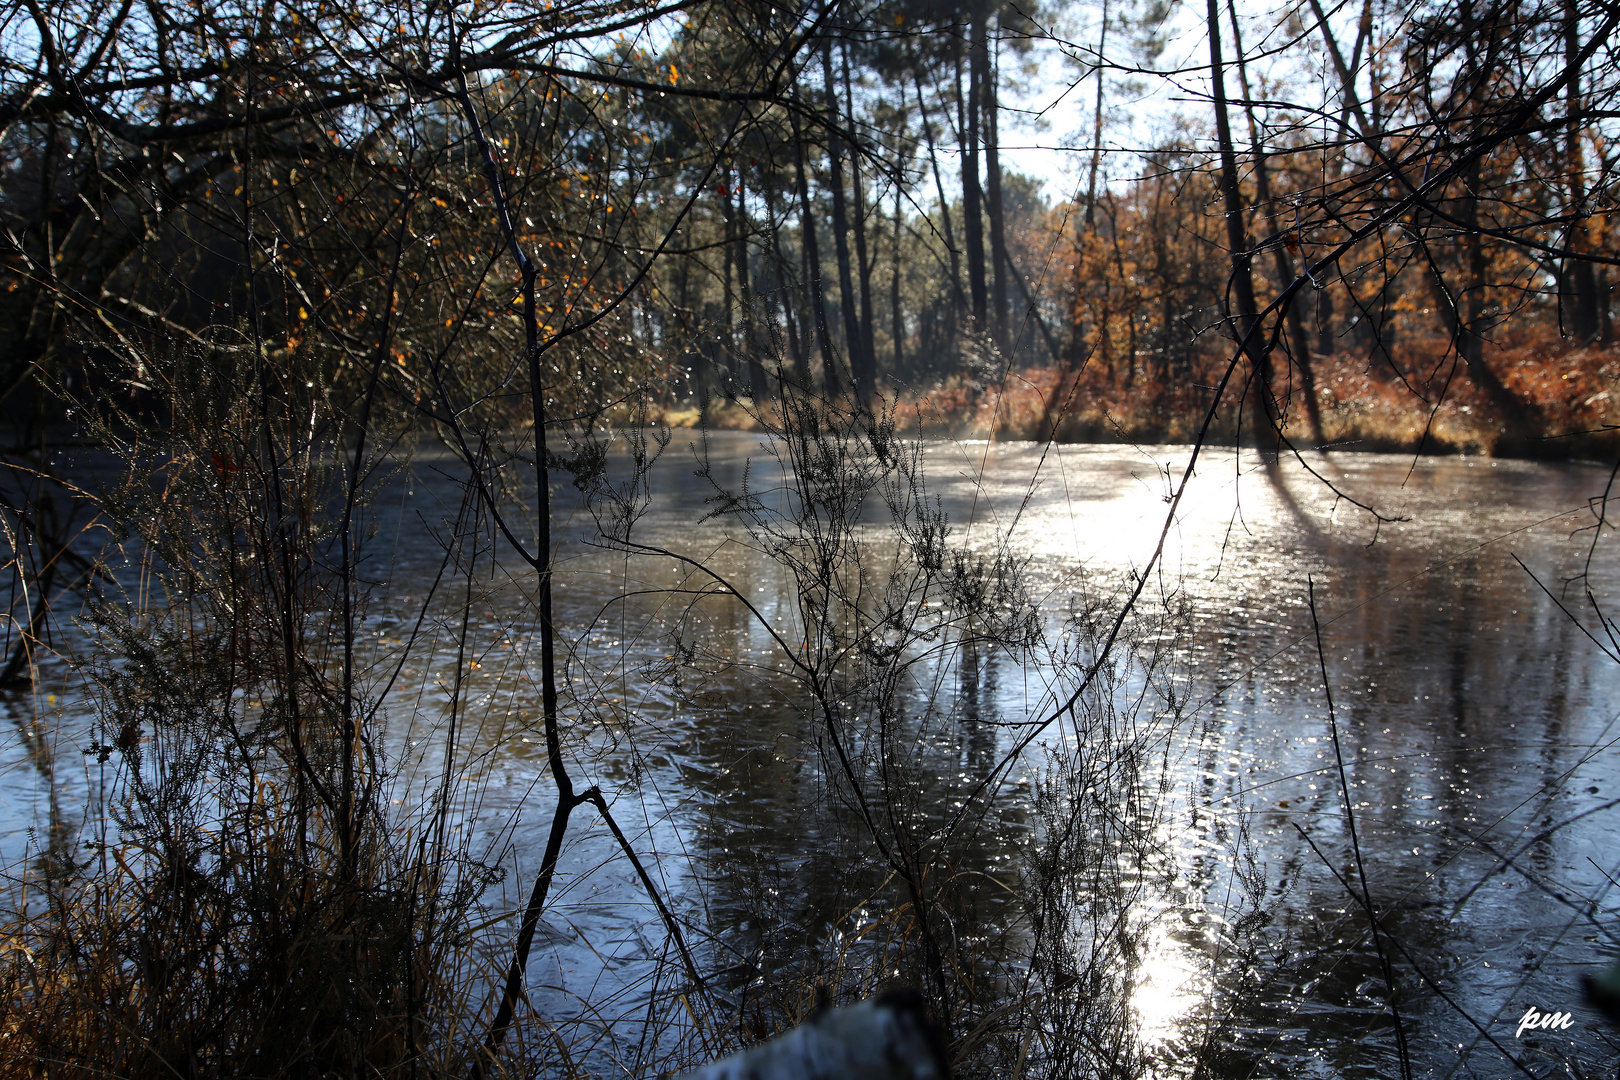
(242, 898)
(1420, 396)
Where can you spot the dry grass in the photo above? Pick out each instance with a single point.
(1569, 394)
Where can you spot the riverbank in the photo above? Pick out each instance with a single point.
(1551, 401)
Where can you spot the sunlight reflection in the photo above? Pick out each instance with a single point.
(1170, 985)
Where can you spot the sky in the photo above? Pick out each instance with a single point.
(1046, 132)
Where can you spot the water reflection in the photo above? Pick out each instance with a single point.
(1477, 725)
(1474, 716)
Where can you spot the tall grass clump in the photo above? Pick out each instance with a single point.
(242, 901)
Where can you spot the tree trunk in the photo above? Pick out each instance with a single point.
(958, 299)
(1285, 273)
(812, 254)
(697, 377)
(1127, 301)
(1469, 345)
(1325, 345)
(1242, 323)
(728, 332)
(759, 386)
(866, 367)
(1605, 326)
(1077, 353)
(846, 279)
(795, 342)
(1096, 129)
(1584, 319)
(1470, 314)
(972, 196)
(998, 231)
(897, 327)
(1473, 293)
(1034, 312)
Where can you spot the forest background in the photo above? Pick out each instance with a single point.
(1423, 193)
(256, 252)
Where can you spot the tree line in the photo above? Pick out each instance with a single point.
(721, 191)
